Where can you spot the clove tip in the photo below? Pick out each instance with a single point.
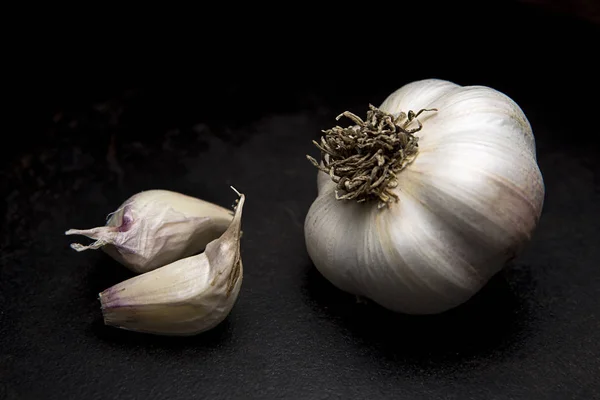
(236, 191)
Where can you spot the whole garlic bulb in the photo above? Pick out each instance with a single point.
(418, 210)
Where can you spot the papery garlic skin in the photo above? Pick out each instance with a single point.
(156, 227)
(186, 297)
(468, 203)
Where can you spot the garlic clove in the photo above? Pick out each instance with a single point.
(186, 297)
(156, 227)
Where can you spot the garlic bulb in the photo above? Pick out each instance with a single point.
(156, 227)
(187, 297)
(417, 210)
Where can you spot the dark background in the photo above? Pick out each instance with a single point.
(195, 108)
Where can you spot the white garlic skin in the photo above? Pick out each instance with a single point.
(156, 227)
(184, 298)
(468, 203)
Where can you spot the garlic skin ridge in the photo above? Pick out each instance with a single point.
(156, 227)
(468, 202)
(184, 298)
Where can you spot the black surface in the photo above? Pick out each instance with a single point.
(83, 145)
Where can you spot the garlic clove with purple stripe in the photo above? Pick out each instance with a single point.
(156, 227)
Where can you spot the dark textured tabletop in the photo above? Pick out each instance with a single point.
(84, 145)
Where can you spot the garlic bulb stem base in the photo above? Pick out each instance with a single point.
(364, 159)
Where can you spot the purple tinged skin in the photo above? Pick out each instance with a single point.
(127, 221)
(109, 297)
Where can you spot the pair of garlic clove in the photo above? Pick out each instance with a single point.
(156, 233)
